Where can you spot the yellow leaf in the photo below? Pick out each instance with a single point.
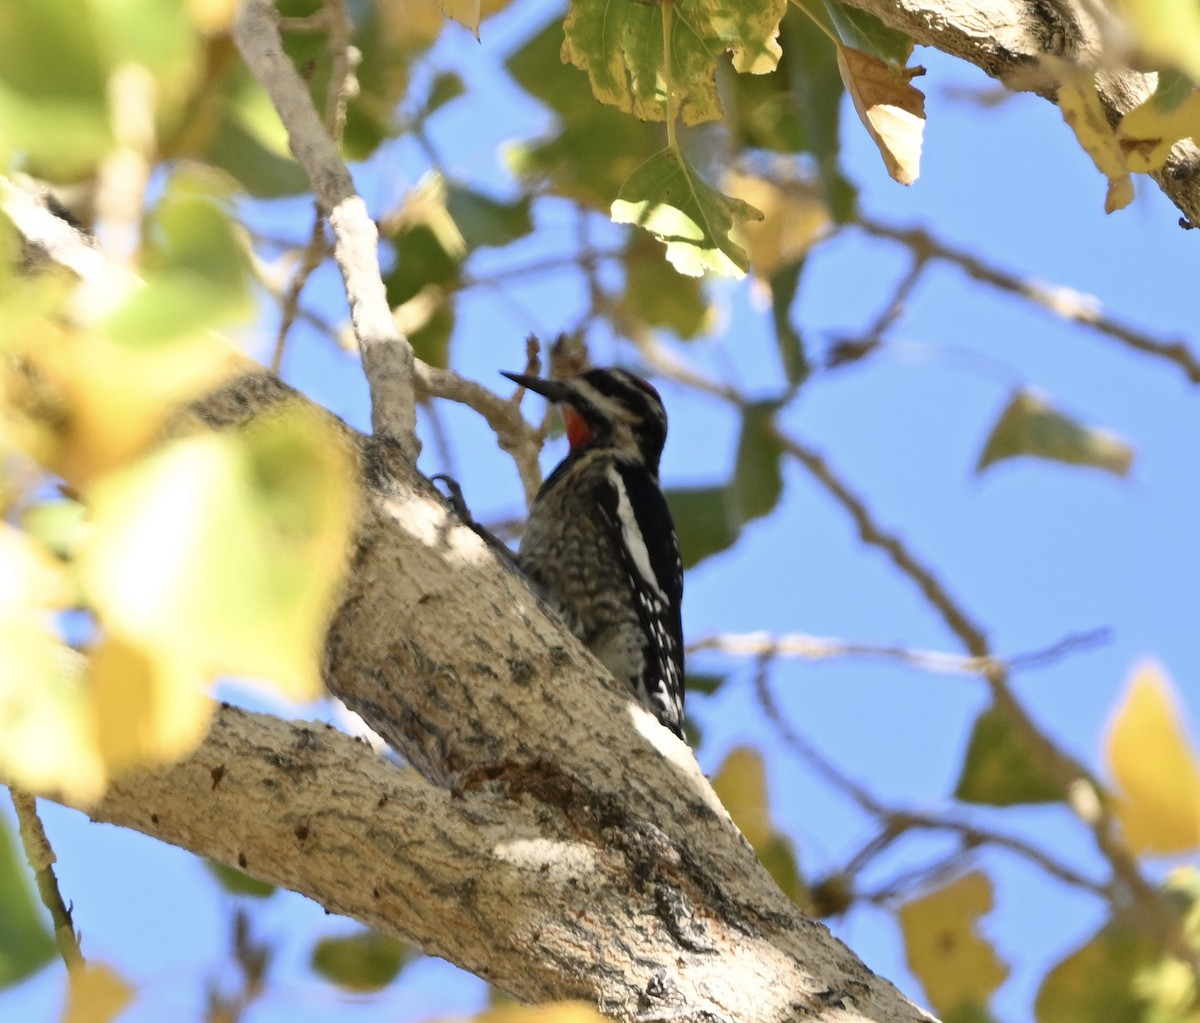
(1154, 767)
(890, 107)
(223, 554)
(1081, 109)
(146, 710)
(111, 398)
(1167, 29)
(95, 994)
(465, 12)
(741, 785)
(794, 219)
(1147, 133)
(214, 15)
(46, 741)
(957, 967)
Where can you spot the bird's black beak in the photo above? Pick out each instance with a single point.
(554, 390)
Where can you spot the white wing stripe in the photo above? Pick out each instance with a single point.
(635, 543)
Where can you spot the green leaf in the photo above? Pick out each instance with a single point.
(1030, 426)
(57, 525)
(447, 86)
(757, 476)
(795, 109)
(792, 355)
(698, 682)
(485, 221)
(702, 522)
(620, 45)
(391, 38)
(1000, 767)
(53, 87)
(195, 265)
(1172, 90)
(667, 197)
(657, 296)
(237, 883)
(596, 147)
(26, 944)
(864, 31)
(223, 553)
(365, 961)
(1098, 981)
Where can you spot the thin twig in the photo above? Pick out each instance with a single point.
(513, 434)
(894, 821)
(1062, 302)
(765, 645)
(386, 354)
(40, 855)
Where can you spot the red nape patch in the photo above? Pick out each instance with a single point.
(578, 431)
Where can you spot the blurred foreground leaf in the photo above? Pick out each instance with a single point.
(1155, 768)
(26, 944)
(47, 740)
(958, 969)
(223, 553)
(1030, 426)
(1096, 982)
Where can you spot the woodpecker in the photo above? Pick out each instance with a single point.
(600, 546)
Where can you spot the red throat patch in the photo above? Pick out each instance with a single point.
(578, 431)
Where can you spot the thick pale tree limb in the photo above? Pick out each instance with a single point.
(545, 899)
(1010, 39)
(558, 841)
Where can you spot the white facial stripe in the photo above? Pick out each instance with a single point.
(634, 542)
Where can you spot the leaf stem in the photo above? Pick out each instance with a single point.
(668, 79)
(40, 855)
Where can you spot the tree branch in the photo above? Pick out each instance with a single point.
(561, 843)
(386, 354)
(1009, 39)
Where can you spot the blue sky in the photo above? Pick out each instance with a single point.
(1034, 551)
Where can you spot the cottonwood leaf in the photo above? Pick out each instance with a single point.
(47, 738)
(1000, 767)
(95, 994)
(794, 218)
(1096, 982)
(864, 31)
(1147, 133)
(1168, 29)
(620, 45)
(667, 197)
(223, 553)
(889, 106)
(957, 967)
(1155, 767)
(757, 476)
(26, 944)
(595, 147)
(741, 785)
(703, 522)
(363, 961)
(1031, 426)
